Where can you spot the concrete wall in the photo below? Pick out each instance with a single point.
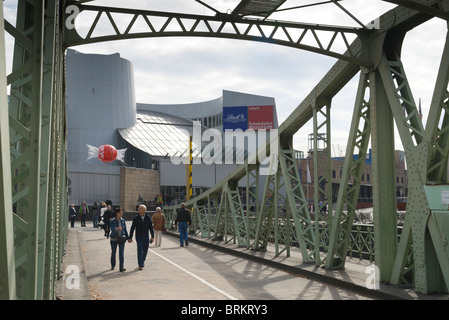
(203, 175)
(94, 183)
(137, 181)
(100, 99)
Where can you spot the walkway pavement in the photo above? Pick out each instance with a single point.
(208, 270)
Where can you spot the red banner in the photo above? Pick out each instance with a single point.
(260, 117)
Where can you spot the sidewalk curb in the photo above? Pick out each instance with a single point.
(73, 257)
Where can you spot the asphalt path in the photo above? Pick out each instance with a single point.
(194, 272)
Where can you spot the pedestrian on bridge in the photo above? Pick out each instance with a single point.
(72, 215)
(159, 225)
(83, 210)
(108, 216)
(183, 220)
(95, 215)
(119, 235)
(143, 225)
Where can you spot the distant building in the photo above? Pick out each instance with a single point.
(366, 187)
(101, 109)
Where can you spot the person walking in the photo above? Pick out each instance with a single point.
(108, 216)
(143, 225)
(159, 225)
(83, 210)
(72, 215)
(119, 236)
(95, 215)
(159, 199)
(168, 199)
(139, 201)
(102, 209)
(183, 220)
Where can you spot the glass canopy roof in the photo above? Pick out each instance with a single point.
(164, 135)
(160, 134)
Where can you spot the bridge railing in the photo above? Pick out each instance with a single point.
(282, 233)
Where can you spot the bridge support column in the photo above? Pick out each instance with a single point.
(384, 186)
(340, 230)
(7, 260)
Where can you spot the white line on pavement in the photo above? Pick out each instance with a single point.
(195, 276)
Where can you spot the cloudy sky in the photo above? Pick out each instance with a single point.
(185, 70)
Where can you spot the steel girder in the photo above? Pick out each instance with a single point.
(264, 219)
(7, 261)
(359, 135)
(298, 206)
(37, 149)
(201, 217)
(223, 26)
(252, 197)
(433, 9)
(422, 257)
(322, 176)
(234, 214)
(25, 117)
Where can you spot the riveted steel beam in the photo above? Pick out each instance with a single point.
(359, 134)
(264, 219)
(322, 176)
(298, 206)
(7, 260)
(432, 9)
(422, 257)
(335, 43)
(37, 117)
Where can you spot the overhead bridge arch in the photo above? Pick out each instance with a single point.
(121, 23)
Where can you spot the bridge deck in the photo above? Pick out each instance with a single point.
(209, 270)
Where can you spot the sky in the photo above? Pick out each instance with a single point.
(185, 70)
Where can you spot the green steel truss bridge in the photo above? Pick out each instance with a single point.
(33, 161)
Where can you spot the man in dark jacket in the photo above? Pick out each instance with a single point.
(72, 215)
(108, 216)
(143, 224)
(183, 220)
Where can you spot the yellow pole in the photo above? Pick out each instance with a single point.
(189, 173)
